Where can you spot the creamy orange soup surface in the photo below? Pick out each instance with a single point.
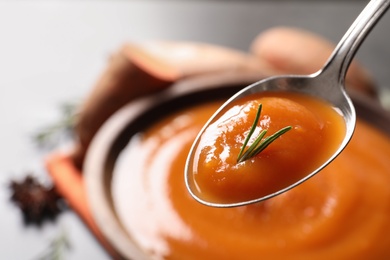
(317, 131)
(341, 213)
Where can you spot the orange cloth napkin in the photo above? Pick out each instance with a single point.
(70, 185)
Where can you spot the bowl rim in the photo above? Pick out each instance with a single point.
(115, 133)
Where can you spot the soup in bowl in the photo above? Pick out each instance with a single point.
(135, 181)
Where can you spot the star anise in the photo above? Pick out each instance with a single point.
(37, 202)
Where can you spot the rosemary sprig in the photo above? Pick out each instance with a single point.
(51, 135)
(259, 144)
(57, 248)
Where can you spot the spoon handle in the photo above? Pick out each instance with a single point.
(344, 52)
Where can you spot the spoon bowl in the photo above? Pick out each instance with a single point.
(327, 84)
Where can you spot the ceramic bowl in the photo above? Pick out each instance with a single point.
(114, 136)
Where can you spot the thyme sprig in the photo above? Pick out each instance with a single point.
(259, 144)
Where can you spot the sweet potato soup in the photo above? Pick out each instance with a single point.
(341, 213)
(316, 132)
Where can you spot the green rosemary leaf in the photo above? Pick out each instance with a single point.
(258, 145)
(267, 141)
(251, 131)
(51, 135)
(57, 248)
(252, 147)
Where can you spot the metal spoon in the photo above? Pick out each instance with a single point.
(327, 83)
